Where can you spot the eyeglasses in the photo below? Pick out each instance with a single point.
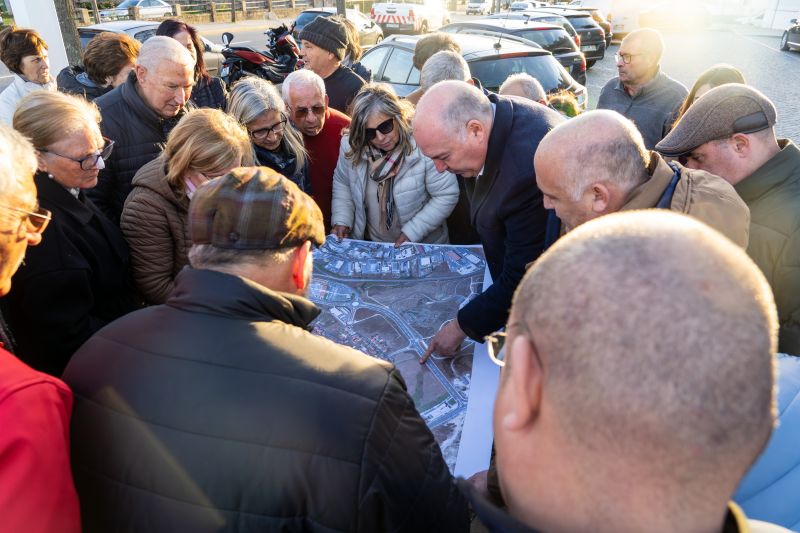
(302, 112)
(626, 58)
(384, 127)
(495, 344)
(32, 221)
(263, 133)
(90, 161)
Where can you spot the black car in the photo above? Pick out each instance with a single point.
(790, 40)
(547, 18)
(369, 33)
(549, 36)
(598, 16)
(593, 38)
(491, 60)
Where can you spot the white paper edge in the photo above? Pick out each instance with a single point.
(475, 448)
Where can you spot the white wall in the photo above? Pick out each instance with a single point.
(780, 12)
(41, 16)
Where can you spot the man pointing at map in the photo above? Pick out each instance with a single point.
(490, 141)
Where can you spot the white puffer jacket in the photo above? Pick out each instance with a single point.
(423, 197)
(11, 95)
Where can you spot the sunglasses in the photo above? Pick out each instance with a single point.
(302, 112)
(90, 161)
(384, 127)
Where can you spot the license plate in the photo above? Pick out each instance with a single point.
(392, 25)
(224, 71)
(589, 48)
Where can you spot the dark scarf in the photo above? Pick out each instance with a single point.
(382, 168)
(283, 162)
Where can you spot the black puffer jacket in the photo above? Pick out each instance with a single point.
(140, 135)
(218, 411)
(73, 80)
(210, 93)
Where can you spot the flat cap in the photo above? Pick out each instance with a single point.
(721, 112)
(254, 208)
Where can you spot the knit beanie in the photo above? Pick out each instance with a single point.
(330, 35)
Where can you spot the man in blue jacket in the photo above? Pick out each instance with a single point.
(490, 141)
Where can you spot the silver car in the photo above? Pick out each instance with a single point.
(147, 9)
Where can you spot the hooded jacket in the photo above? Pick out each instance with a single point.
(218, 411)
(155, 222)
(73, 80)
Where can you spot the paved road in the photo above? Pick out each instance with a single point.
(775, 73)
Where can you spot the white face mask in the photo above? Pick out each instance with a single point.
(190, 187)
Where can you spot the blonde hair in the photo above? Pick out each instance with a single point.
(46, 117)
(251, 97)
(378, 98)
(206, 141)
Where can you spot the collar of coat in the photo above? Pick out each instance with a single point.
(153, 176)
(217, 293)
(782, 169)
(130, 94)
(647, 195)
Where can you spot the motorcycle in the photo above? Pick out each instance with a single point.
(274, 64)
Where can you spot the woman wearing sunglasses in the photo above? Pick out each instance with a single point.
(204, 145)
(384, 188)
(257, 104)
(77, 280)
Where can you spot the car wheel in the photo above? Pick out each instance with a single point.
(590, 63)
(785, 41)
(378, 39)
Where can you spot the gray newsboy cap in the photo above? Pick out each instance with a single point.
(721, 112)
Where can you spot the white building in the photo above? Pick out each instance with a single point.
(778, 13)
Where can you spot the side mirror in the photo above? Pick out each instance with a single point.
(793, 21)
(371, 23)
(227, 38)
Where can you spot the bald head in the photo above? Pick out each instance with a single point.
(159, 49)
(656, 337)
(611, 155)
(649, 41)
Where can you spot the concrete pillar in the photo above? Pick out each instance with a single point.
(244, 9)
(133, 13)
(84, 16)
(213, 7)
(178, 9)
(41, 16)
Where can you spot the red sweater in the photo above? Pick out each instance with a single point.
(323, 152)
(37, 494)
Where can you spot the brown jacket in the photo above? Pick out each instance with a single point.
(704, 196)
(155, 222)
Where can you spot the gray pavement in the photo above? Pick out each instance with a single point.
(755, 52)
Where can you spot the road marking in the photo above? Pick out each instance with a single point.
(770, 48)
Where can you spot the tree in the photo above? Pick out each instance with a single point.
(69, 30)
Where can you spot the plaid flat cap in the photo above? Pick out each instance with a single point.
(721, 112)
(254, 208)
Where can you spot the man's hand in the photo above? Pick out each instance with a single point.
(446, 341)
(340, 232)
(402, 239)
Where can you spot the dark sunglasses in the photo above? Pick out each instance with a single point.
(384, 127)
(302, 112)
(90, 161)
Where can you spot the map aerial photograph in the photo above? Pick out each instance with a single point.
(388, 302)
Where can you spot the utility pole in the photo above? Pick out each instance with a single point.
(69, 31)
(340, 7)
(96, 12)
(233, 11)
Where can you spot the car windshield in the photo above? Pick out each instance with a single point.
(552, 40)
(307, 16)
(128, 4)
(583, 22)
(520, 5)
(493, 71)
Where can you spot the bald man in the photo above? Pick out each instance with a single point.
(638, 382)
(489, 142)
(611, 170)
(641, 91)
(139, 114)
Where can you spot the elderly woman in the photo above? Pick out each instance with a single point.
(108, 59)
(24, 52)
(384, 188)
(77, 280)
(257, 104)
(207, 91)
(205, 144)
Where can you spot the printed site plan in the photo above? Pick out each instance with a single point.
(388, 302)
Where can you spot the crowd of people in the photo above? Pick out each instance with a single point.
(157, 369)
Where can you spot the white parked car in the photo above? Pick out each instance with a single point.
(410, 16)
(147, 9)
(525, 6)
(480, 7)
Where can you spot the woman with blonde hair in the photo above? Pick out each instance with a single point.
(24, 53)
(384, 188)
(78, 279)
(205, 144)
(257, 105)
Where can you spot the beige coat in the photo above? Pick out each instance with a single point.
(699, 194)
(155, 222)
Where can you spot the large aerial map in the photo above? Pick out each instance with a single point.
(388, 302)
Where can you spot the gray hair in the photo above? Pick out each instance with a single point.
(158, 49)
(301, 78)
(251, 97)
(211, 257)
(378, 98)
(671, 368)
(441, 66)
(529, 85)
(17, 161)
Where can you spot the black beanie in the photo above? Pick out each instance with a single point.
(328, 34)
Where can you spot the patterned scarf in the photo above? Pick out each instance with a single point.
(382, 169)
